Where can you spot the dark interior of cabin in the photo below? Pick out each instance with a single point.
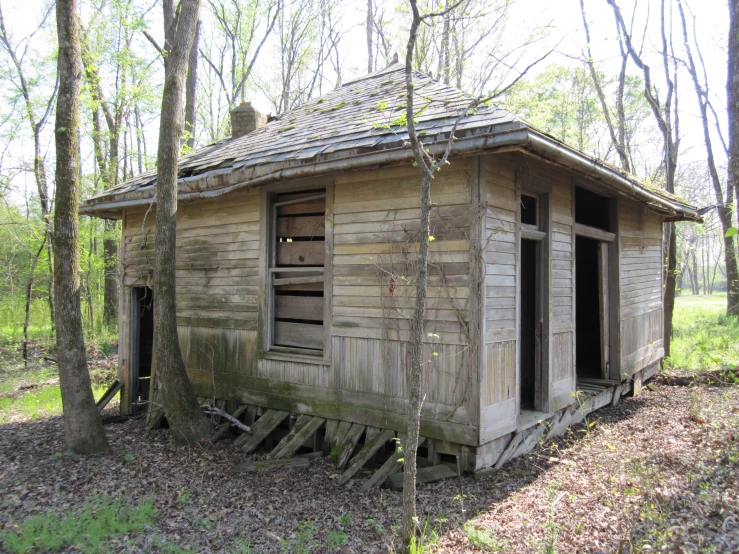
(528, 324)
(144, 344)
(592, 209)
(587, 310)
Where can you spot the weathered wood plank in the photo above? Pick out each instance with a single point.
(349, 443)
(223, 427)
(306, 226)
(299, 307)
(302, 335)
(290, 443)
(109, 395)
(261, 428)
(311, 252)
(363, 456)
(391, 465)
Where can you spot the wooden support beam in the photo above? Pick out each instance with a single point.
(349, 443)
(332, 426)
(392, 465)
(363, 456)
(510, 449)
(224, 427)
(341, 432)
(109, 395)
(305, 426)
(261, 428)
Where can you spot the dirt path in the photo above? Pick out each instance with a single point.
(657, 472)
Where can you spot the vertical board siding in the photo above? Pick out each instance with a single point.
(641, 286)
(218, 350)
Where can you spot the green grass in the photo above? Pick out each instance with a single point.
(87, 530)
(703, 337)
(44, 401)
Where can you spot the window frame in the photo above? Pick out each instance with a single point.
(268, 229)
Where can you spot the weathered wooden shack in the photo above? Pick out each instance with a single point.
(297, 242)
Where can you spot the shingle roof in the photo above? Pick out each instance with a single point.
(361, 117)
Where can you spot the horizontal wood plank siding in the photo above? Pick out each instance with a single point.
(217, 259)
(641, 286)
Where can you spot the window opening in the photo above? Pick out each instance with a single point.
(297, 270)
(529, 210)
(592, 209)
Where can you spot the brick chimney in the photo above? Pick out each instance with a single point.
(245, 119)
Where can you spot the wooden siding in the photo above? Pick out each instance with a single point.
(217, 259)
(365, 379)
(641, 287)
(498, 407)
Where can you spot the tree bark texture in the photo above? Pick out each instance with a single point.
(83, 427)
(191, 90)
(174, 391)
(733, 109)
(370, 21)
(409, 523)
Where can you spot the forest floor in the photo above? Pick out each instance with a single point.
(659, 472)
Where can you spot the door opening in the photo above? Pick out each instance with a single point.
(142, 343)
(530, 331)
(591, 312)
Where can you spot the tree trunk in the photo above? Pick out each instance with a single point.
(82, 424)
(174, 392)
(370, 20)
(732, 306)
(191, 90)
(110, 292)
(670, 284)
(29, 297)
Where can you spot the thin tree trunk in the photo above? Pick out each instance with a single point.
(370, 20)
(732, 306)
(174, 392)
(191, 90)
(29, 297)
(83, 427)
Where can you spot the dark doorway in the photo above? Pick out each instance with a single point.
(588, 309)
(529, 323)
(142, 342)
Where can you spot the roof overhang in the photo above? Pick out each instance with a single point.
(495, 138)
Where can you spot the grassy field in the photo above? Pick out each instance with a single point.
(704, 338)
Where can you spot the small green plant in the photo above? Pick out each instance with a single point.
(303, 543)
(129, 457)
(376, 527)
(86, 530)
(553, 497)
(336, 539)
(344, 520)
(335, 451)
(425, 540)
(184, 496)
(243, 547)
(484, 538)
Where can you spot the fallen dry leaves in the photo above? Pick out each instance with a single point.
(655, 473)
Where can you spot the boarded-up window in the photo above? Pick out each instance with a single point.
(297, 270)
